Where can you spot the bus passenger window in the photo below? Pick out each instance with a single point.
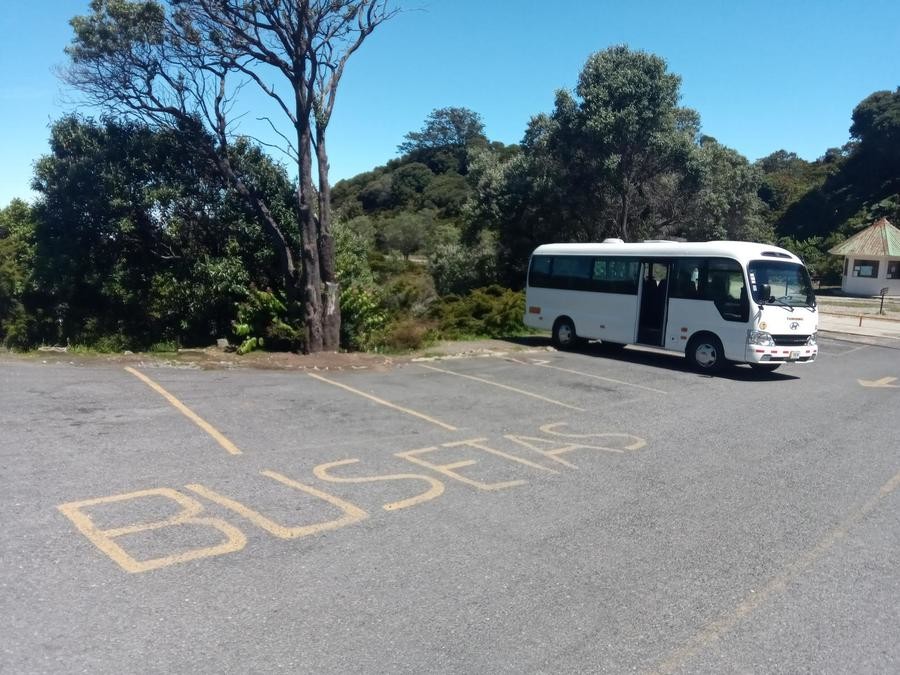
(725, 286)
(687, 272)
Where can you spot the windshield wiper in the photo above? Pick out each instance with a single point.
(779, 301)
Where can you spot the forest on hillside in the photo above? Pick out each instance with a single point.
(147, 235)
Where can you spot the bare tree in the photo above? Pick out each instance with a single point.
(183, 66)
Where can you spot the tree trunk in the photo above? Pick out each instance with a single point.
(312, 282)
(331, 321)
(623, 212)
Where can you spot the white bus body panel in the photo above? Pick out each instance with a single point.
(598, 316)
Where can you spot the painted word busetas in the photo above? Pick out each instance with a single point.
(545, 453)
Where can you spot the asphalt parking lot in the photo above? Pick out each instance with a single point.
(527, 511)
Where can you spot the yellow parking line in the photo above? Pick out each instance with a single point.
(503, 386)
(596, 377)
(388, 404)
(187, 412)
(715, 630)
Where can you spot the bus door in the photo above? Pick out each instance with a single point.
(654, 300)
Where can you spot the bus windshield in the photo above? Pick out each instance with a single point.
(789, 283)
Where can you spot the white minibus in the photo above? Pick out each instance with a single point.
(716, 302)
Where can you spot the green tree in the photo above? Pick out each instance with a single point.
(406, 232)
(460, 268)
(623, 127)
(408, 183)
(136, 237)
(182, 66)
(726, 204)
(445, 139)
(615, 158)
(856, 184)
(16, 231)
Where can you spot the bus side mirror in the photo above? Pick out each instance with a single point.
(765, 292)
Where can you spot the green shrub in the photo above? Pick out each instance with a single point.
(362, 316)
(163, 347)
(110, 344)
(15, 329)
(458, 269)
(263, 323)
(493, 311)
(410, 293)
(407, 334)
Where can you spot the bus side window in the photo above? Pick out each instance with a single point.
(726, 288)
(539, 276)
(687, 273)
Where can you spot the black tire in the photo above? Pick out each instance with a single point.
(564, 335)
(765, 367)
(706, 354)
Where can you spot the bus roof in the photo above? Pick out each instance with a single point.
(742, 251)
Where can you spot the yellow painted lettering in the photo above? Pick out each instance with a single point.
(190, 508)
(553, 449)
(352, 514)
(435, 490)
(449, 470)
(540, 446)
(479, 444)
(634, 442)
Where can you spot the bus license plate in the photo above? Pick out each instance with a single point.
(794, 356)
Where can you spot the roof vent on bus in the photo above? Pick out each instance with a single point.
(776, 254)
(613, 240)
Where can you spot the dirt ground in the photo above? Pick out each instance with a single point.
(213, 358)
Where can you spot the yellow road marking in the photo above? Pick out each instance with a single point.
(449, 470)
(352, 513)
(544, 364)
(883, 382)
(479, 443)
(436, 489)
(503, 386)
(388, 404)
(715, 630)
(190, 510)
(187, 412)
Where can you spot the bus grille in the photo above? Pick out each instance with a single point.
(790, 340)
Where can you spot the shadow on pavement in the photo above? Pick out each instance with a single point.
(660, 359)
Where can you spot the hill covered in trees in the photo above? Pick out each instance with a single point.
(134, 241)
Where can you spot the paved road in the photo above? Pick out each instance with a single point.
(533, 512)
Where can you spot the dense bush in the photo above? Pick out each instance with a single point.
(493, 311)
(263, 323)
(362, 313)
(458, 268)
(406, 334)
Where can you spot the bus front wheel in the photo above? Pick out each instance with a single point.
(564, 336)
(705, 353)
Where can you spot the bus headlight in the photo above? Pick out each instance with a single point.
(759, 337)
(812, 340)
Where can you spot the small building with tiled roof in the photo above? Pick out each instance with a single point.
(871, 260)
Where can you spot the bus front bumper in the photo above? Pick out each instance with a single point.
(793, 354)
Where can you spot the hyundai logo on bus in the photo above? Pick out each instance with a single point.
(794, 325)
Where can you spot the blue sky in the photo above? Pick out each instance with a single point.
(763, 75)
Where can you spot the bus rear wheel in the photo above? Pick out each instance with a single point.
(705, 353)
(564, 335)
